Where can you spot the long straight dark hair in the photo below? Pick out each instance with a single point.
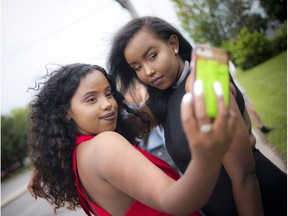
(120, 69)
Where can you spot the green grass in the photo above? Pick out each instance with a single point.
(266, 86)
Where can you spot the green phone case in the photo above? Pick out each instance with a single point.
(209, 71)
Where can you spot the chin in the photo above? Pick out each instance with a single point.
(113, 128)
(162, 87)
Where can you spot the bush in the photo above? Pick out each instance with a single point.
(278, 42)
(13, 139)
(249, 50)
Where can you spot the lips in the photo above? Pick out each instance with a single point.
(109, 116)
(156, 81)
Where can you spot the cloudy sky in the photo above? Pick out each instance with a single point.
(39, 33)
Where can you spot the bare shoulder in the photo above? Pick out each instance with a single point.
(102, 148)
(188, 84)
(104, 142)
(108, 136)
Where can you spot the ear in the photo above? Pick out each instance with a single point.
(69, 115)
(174, 43)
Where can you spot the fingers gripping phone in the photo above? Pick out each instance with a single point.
(211, 64)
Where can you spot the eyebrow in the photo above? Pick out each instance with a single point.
(95, 92)
(144, 54)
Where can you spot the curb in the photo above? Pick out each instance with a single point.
(13, 196)
(268, 151)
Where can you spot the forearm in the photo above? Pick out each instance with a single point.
(144, 124)
(240, 166)
(193, 189)
(247, 196)
(245, 186)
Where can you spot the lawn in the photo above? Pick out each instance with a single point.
(266, 86)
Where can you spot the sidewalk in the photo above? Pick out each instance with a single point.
(14, 187)
(268, 151)
(18, 185)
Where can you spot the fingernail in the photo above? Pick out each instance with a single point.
(218, 88)
(198, 87)
(187, 98)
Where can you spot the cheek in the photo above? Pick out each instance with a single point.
(114, 103)
(142, 77)
(171, 61)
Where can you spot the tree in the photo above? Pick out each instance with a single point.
(13, 138)
(275, 9)
(215, 21)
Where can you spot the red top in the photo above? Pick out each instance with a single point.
(136, 208)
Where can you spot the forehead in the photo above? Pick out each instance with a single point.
(142, 39)
(93, 80)
(145, 33)
(140, 43)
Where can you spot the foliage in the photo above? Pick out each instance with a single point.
(253, 48)
(13, 138)
(215, 21)
(249, 49)
(278, 43)
(275, 9)
(266, 86)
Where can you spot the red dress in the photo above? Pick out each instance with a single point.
(136, 208)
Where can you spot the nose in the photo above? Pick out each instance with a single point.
(150, 71)
(106, 104)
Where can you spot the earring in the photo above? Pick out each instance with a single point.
(176, 51)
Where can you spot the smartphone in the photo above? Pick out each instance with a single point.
(211, 64)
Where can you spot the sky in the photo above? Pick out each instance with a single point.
(39, 34)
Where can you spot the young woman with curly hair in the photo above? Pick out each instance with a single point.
(83, 152)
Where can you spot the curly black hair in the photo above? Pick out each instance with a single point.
(51, 137)
(121, 70)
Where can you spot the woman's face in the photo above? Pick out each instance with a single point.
(156, 62)
(93, 107)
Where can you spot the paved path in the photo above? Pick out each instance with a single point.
(18, 185)
(269, 152)
(14, 187)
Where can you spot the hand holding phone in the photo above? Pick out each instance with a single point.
(210, 65)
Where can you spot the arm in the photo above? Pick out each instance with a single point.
(239, 162)
(129, 171)
(136, 123)
(240, 166)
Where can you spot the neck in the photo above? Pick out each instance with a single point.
(182, 72)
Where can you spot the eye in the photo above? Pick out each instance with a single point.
(92, 100)
(109, 94)
(153, 57)
(137, 68)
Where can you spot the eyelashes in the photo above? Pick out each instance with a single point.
(151, 58)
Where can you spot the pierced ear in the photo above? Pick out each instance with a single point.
(174, 43)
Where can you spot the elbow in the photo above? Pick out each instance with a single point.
(250, 178)
(245, 178)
